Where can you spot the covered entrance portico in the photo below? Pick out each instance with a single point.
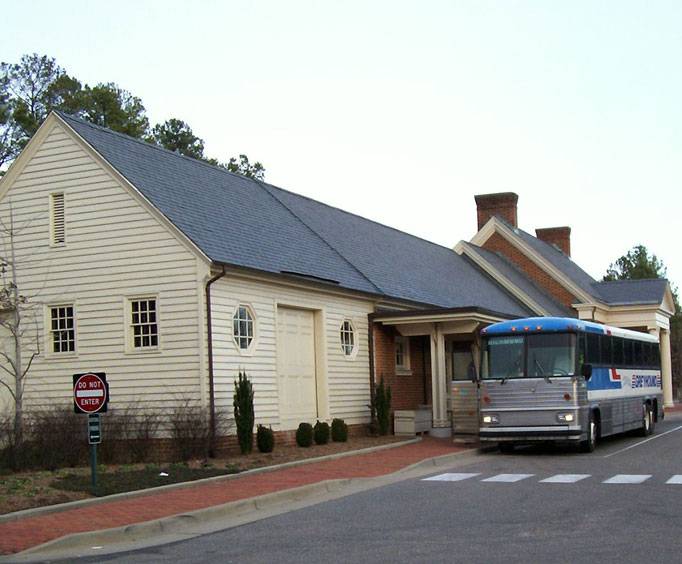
(430, 359)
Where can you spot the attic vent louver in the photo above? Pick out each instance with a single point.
(57, 222)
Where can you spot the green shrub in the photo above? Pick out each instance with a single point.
(304, 435)
(265, 439)
(339, 431)
(321, 432)
(243, 412)
(382, 403)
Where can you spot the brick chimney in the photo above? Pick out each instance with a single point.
(502, 204)
(560, 237)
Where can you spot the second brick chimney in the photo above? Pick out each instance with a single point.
(502, 204)
(560, 237)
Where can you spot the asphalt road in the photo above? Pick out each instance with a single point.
(460, 515)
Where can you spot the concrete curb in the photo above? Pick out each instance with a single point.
(37, 511)
(176, 523)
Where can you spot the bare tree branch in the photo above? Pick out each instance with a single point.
(28, 364)
(8, 358)
(11, 391)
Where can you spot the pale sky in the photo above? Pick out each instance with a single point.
(402, 111)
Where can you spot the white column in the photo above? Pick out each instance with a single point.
(441, 426)
(666, 368)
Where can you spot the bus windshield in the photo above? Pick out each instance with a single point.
(529, 356)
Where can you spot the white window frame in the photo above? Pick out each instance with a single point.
(129, 326)
(49, 333)
(404, 343)
(347, 327)
(51, 216)
(254, 325)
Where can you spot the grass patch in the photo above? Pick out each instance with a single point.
(109, 483)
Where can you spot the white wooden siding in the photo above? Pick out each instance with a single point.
(115, 248)
(347, 380)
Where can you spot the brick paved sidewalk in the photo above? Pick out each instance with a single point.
(28, 532)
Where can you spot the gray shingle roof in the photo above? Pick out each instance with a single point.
(521, 281)
(632, 292)
(398, 263)
(242, 222)
(559, 260)
(621, 292)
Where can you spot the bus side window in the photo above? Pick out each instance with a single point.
(639, 353)
(627, 353)
(657, 356)
(592, 349)
(649, 355)
(606, 341)
(617, 351)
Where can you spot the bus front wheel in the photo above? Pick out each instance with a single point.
(592, 432)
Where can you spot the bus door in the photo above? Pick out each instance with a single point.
(463, 387)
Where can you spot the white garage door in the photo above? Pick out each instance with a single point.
(296, 366)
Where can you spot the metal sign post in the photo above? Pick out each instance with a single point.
(91, 396)
(94, 438)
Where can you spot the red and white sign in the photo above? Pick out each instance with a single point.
(90, 392)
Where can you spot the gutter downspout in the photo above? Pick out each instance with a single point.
(372, 379)
(211, 386)
(424, 379)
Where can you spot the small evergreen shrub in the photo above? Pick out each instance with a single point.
(339, 431)
(243, 412)
(265, 439)
(382, 402)
(321, 432)
(304, 435)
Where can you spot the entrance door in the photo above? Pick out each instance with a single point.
(296, 366)
(464, 391)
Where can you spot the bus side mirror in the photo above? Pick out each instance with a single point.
(586, 371)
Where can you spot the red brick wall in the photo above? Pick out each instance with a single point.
(407, 390)
(165, 450)
(499, 244)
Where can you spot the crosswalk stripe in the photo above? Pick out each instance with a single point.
(627, 479)
(452, 477)
(565, 478)
(555, 479)
(508, 478)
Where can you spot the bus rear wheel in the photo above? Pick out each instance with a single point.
(592, 432)
(647, 421)
(506, 448)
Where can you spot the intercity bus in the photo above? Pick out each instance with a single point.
(566, 380)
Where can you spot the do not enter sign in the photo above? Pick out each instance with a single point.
(90, 392)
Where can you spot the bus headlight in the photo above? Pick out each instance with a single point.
(491, 419)
(566, 417)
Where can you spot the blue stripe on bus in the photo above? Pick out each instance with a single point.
(604, 379)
